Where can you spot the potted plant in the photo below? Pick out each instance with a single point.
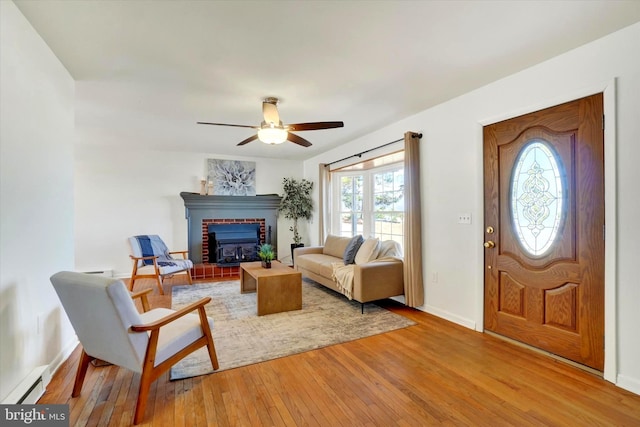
(296, 204)
(266, 254)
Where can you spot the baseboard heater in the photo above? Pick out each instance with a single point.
(31, 388)
(106, 273)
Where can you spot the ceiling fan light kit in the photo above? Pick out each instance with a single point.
(270, 133)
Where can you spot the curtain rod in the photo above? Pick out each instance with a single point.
(419, 135)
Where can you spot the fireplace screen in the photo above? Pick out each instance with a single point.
(234, 253)
(231, 244)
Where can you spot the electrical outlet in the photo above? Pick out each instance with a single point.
(464, 218)
(434, 277)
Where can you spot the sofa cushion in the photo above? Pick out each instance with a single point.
(368, 251)
(335, 245)
(318, 263)
(350, 252)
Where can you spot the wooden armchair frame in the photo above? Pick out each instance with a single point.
(157, 276)
(150, 372)
(143, 298)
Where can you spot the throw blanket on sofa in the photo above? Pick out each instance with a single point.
(343, 274)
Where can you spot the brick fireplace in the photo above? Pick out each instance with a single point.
(253, 233)
(202, 211)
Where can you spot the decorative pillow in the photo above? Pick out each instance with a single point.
(335, 245)
(350, 252)
(368, 251)
(390, 248)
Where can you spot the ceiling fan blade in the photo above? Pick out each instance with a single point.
(227, 124)
(298, 140)
(315, 126)
(248, 140)
(270, 113)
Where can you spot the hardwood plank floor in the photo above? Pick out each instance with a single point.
(433, 373)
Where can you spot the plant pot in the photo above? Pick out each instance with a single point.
(266, 264)
(293, 246)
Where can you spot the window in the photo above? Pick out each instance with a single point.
(537, 197)
(370, 197)
(388, 204)
(351, 197)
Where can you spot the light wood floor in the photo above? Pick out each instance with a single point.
(434, 373)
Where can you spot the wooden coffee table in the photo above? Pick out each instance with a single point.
(278, 288)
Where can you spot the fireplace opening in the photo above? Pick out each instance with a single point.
(231, 244)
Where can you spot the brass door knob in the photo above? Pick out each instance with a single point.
(489, 244)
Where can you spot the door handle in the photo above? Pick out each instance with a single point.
(489, 244)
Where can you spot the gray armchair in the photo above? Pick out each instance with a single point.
(110, 329)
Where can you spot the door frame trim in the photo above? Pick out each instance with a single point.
(608, 88)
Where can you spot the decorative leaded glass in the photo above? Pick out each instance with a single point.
(537, 199)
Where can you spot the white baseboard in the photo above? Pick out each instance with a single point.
(467, 323)
(57, 361)
(629, 384)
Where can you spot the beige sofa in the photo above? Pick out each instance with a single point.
(376, 274)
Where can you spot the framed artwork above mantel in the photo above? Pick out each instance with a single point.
(232, 177)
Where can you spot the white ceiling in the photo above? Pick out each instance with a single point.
(146, 71)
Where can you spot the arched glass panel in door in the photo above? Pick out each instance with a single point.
(537, 197)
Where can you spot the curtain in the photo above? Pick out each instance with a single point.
(324, 204)
(413, 287)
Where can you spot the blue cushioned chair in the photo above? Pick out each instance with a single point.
(152, 260)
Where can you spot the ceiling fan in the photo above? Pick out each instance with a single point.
(272, 131)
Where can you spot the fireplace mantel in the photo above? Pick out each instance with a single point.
(198, 208)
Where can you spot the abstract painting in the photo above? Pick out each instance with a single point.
(232, 177)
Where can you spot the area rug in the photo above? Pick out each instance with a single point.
(242, 337)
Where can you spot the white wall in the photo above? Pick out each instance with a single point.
(36, 199)
(451, 162)
(124, 193)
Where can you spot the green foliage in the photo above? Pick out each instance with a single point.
(296, 203)
(351, 191)
(388, 191)
(386, 201)
(266, 252)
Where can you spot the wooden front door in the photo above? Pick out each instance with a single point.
(544, 230)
